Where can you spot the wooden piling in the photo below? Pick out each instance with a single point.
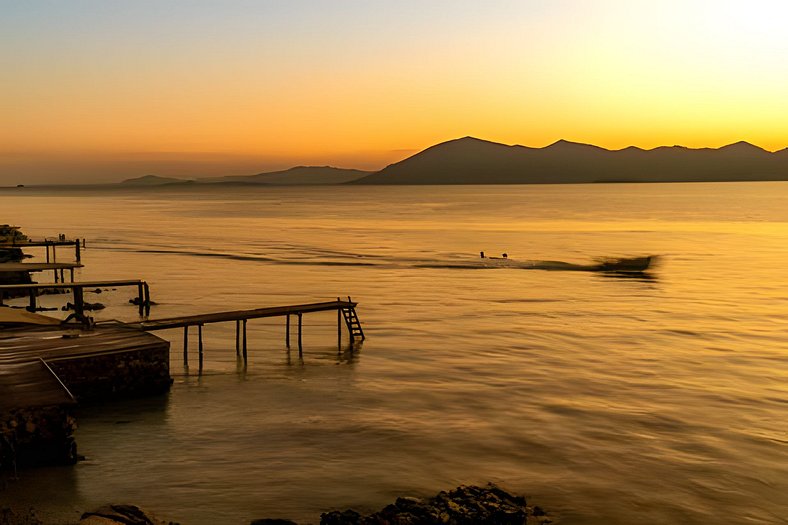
(76, 250)
(300, 347)
(199, 338)
(146, 292)
(244, 322)
(32, 307)
(287, 332)
(238, 338)
(186, 345)
(140, 295)
(79, 302)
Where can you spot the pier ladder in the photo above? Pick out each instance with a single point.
(351, 320)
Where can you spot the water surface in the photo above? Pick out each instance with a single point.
(603, 399)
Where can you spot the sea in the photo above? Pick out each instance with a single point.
(603, 398)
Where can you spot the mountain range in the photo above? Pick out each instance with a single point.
(474, 161)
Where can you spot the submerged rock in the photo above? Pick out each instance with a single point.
(9, 517)
(464, 505)
(121, 515)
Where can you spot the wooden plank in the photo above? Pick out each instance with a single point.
(84, 284)
(22, 244)
(36, 267)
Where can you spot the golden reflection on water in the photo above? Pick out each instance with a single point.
(602, 398)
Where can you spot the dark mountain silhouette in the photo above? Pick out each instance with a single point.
(473, 161)
(153, 180)
(297, 175)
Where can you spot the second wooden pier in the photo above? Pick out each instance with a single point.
(346, 311)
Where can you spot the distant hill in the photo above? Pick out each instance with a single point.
(473, 161)
(299, 175)
(153, 180)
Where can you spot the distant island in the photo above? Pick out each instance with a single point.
(474, 161)
(299, 175)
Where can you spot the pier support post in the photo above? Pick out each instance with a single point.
(47, 249)
(76, 248)
(32, 307)
(300, 347)
(287, 332)
(199, 338)
(186, 345)
(79, 302)
(146, 291)
(238, 338)
(140, 298)
(244, 322)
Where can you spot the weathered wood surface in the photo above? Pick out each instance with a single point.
(234, 315)
(77, 284)
(24, 381)
(37, 267)
(22, 244)
(30, 384)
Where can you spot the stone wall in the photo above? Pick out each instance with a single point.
(37, 435)
(136, 372)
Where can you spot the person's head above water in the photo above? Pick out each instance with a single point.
(481, 254)
(504, 255)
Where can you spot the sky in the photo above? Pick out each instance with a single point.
(101, 90)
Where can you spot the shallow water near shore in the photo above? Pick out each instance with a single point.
(604, 399)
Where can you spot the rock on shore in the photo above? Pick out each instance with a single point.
(465, 505)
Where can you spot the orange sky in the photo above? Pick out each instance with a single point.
(106, 90)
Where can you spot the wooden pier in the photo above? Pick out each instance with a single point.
(50, 245)
(346, 312)
(14, 267)
(78, 292)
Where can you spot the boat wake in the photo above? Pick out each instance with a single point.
(610, 265)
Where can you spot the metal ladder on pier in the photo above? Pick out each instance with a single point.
(352, 322)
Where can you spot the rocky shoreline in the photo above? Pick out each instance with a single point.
(464, 505)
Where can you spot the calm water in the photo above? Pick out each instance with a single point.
(605, 400)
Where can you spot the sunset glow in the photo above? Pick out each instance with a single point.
(102, 90)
